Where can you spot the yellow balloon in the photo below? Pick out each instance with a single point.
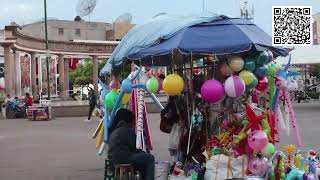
(100, 137)
(126, 98)
(247, 77)
(173, 85)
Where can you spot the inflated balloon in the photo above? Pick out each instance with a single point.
(258, 140)
(268, 151)
(236, 63)
(114, 84)
(152, 85)
(263, 84)
(261, 71)
(173, 85)
(263, 58)
(212, 91)
(111, 99)
(234, 86)
(126, 98)
(249, 64)
(257, 166)
(225, 69)
(127, 86)
(273, 69)
(249, 79)
(270, 56)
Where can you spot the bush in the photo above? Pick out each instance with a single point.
(313, 95)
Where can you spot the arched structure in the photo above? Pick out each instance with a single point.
(15, 41)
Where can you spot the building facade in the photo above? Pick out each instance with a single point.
(22, 50)
(316, 29)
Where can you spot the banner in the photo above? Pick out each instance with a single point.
(25, 65)
(52, 76)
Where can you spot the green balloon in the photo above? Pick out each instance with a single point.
(111, 99)
(269, 150)
(249, 64)
(152, 85)
(272, 69)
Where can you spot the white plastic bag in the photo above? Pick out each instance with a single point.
(175, 135)
(225, 167)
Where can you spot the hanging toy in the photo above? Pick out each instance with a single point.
(257, 140)
(268, 150)
(279, 171)
(234, 86)
(298, 171)
(263, 84)
(173, 85)
(212, 91)
(236, 63)
(257, 166)
(291, 150)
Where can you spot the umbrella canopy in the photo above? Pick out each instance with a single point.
(151, 33)
(221, 36)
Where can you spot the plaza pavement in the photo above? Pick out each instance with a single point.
(62, 149)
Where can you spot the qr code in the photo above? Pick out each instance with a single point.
(292, 25)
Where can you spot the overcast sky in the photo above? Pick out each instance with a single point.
(26, 11)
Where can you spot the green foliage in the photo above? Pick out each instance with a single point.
(83, 74)
(314, 70)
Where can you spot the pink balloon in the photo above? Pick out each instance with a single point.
(212, 91)
(257, 166)
(263, 84)
(257, 140)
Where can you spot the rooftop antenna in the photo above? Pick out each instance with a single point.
(85, 7)
(203, 2)
(246, 12)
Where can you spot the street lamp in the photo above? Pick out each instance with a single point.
(47, 47)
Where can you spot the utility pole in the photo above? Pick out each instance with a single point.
(47, 47)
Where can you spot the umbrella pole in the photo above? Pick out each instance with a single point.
(189, 104)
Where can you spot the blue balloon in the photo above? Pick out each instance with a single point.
(127, 86)
(262, 58)
(261, 72)
(249, 64)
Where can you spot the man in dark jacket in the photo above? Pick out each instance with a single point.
(122, 145)
(92, 103)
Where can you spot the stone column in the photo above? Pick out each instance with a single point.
(17, 75)
(66, 74)
(95, 74)
(61, 76)
(8, 70)
(34, 75)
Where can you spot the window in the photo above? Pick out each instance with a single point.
(78, 32)
(60, 31)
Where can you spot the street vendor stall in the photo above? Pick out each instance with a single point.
(223, 113)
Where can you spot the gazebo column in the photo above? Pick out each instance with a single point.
(34, 75)
(95, 74)
(61, 64)
(66, 75)
(8, 70)
(17, 74)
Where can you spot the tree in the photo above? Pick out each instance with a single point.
(314, 70)
(83, 74)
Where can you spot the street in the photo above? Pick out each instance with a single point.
(62, 149)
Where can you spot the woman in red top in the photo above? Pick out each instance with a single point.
(28, 99)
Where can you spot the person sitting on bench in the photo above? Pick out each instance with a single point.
(122, 145)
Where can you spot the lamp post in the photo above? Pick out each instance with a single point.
(47, 47)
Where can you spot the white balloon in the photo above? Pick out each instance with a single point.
(2, 83)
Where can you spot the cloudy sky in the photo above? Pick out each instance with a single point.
(26, 11)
